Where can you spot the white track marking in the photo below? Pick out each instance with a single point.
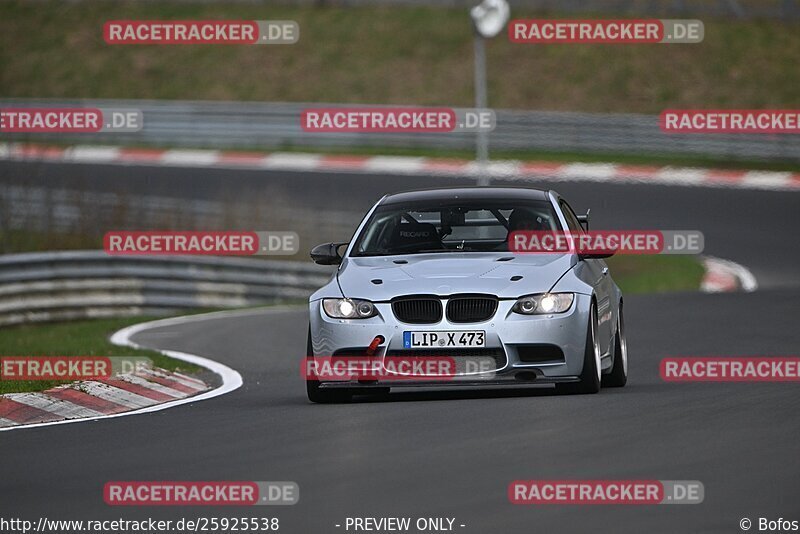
(589, 171)
(673, 175)
(392, 164)
(495, 169)
(190, 158)
(92, 154)
(766, 180)
(281, 160)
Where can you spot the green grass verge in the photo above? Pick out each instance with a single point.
(656, 274)
(77, 338)
(389, 54)
(23, 240)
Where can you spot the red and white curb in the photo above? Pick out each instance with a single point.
(724, 276)
(407, 165)
(123, 395)
(94, 398)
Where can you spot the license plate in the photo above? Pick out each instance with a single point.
(444, 340)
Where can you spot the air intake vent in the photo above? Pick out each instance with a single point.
(418, 310)
(540, 353)
(471, 309)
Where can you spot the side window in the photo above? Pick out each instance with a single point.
(572, 219)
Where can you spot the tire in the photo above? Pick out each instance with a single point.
(317, 394)
(590, 374)
(618, 376)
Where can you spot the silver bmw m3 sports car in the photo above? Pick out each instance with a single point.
(431, 273)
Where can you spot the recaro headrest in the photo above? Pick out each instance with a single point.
(416, 236)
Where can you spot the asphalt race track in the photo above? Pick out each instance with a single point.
(454, 454)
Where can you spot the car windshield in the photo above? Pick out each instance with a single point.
(451, 226)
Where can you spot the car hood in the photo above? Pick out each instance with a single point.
(450, 273)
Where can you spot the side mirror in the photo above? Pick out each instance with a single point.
(584, 220)
(327, 254)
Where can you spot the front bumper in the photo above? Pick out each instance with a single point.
(507, 332)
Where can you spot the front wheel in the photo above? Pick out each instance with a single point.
(590, 375)
(618, 376)
(317, 394)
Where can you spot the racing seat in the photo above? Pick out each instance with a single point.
(412, 237)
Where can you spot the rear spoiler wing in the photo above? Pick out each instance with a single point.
(584, 220)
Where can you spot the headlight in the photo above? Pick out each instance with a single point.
(544, 303)
(349, 308)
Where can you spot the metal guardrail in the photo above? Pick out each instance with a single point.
(277, 125)
(740, 9)
(51, 286)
